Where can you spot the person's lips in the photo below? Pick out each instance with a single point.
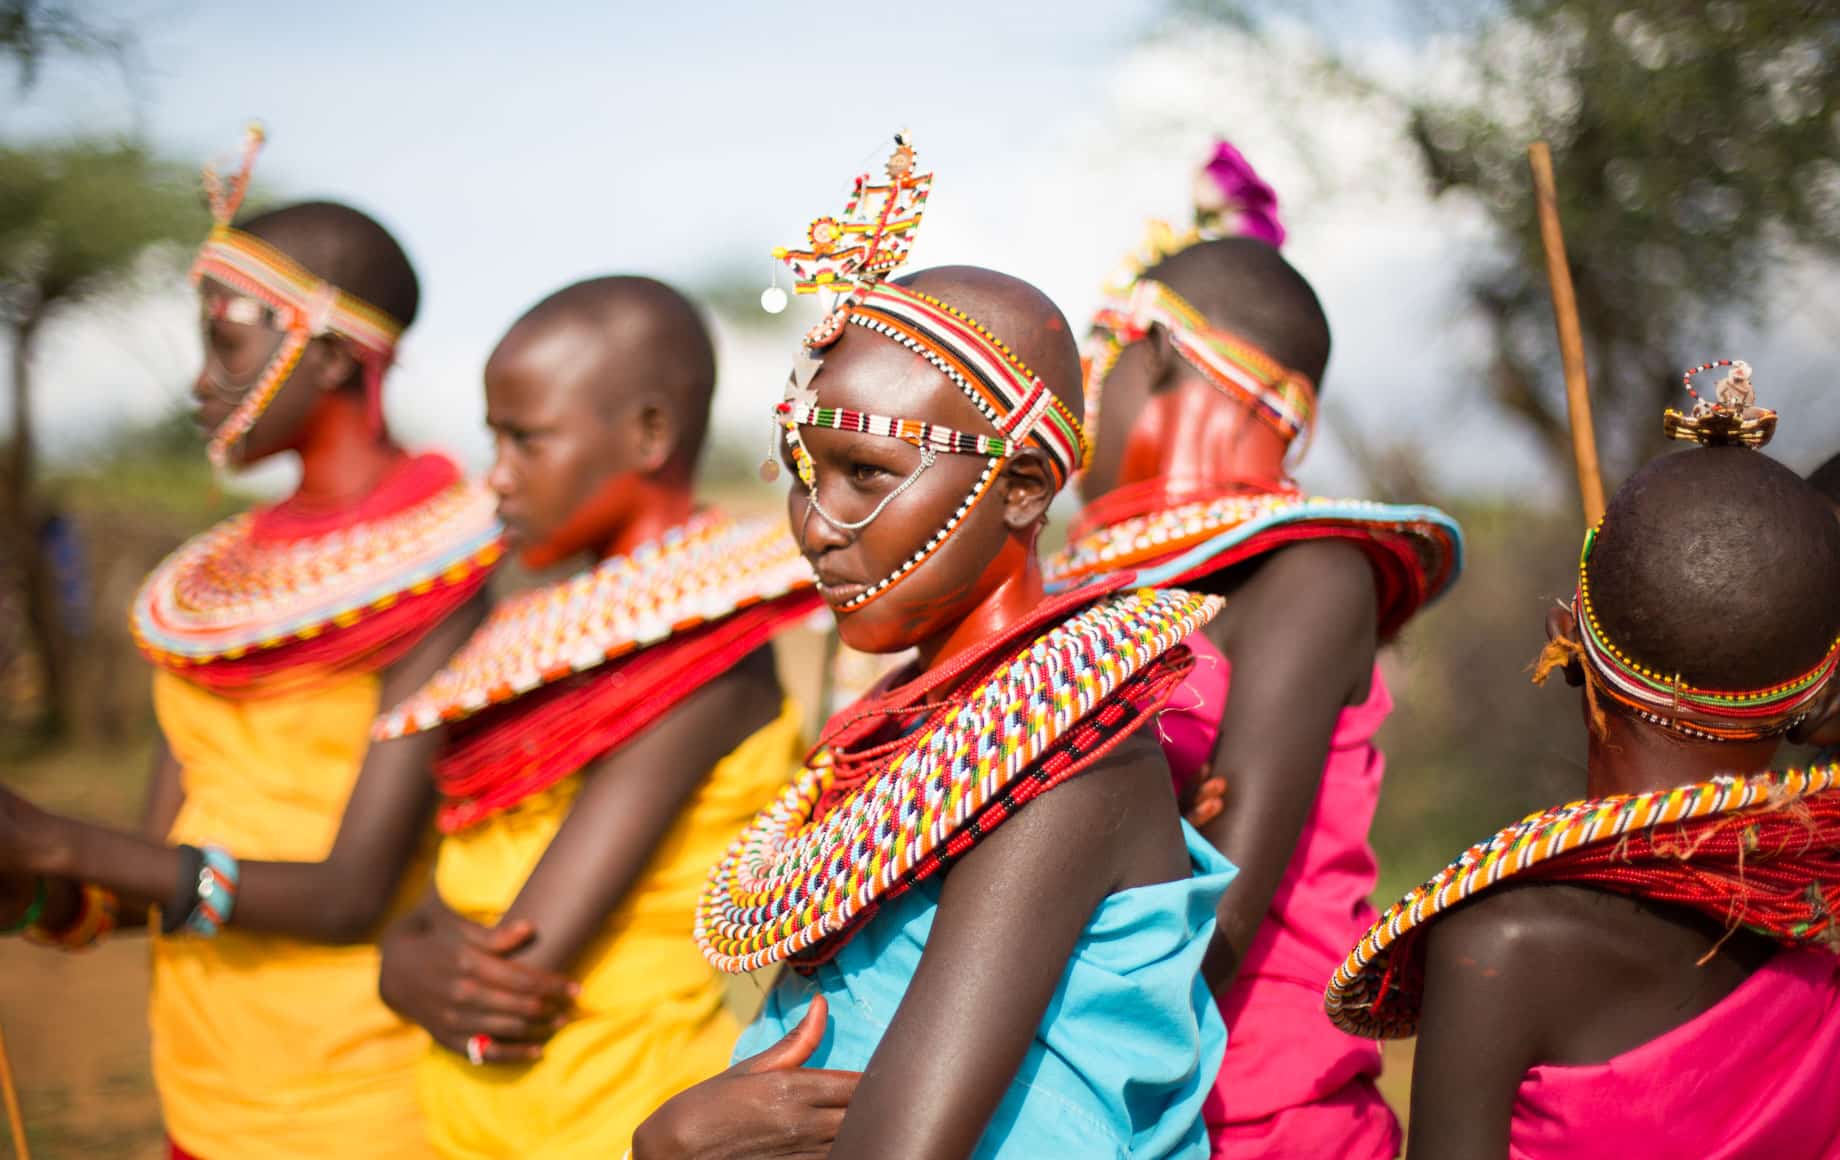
(837, 589)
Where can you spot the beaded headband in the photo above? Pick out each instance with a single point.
(303, 305)
(848, 258)
(1667, 700)
(1281, 398)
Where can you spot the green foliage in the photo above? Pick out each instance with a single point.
(74, 217)
(1692, 145)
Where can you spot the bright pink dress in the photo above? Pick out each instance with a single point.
(1756, 1076)
(1292, 1084)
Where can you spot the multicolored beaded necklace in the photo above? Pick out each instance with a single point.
(245, 606)
(1759, 852)
(706, 570)
(1417, 551)
(860, 826)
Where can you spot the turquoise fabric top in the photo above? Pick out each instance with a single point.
(1126, 1052)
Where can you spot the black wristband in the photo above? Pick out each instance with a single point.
(185, 891)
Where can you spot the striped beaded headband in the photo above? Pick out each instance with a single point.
(1282, 398)
(1008, 394)
(1661, 699)
(304, 305)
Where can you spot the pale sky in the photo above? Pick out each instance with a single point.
(516, 148)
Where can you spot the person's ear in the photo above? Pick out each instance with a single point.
(655, 434)
(1162, 354)
(1028, 486)
(1561, 624)
(1820, 725)
(328, 364)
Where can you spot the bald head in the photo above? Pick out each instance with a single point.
(1719, 564)
(1245, 286)
(346, 248)
(1020, 316)
(616, 337)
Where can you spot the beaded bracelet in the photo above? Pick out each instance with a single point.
(185, 891)
(216, 892)
(96, 918)
(34, 909)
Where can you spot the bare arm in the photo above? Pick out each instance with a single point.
(1486, 972)
(1301, 635)
(1010, 914)
(337, 900)
(631, 799)
(458, 979)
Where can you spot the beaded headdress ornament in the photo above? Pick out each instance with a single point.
(270, 288)
(1666, 699)
(848, 259)
(1231, 200)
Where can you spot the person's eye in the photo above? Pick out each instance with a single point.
(865, 472)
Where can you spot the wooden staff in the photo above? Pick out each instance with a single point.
(1571, 339)
(15, 1119)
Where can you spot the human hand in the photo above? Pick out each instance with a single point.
(1204, 797)
(768, 1105)
(453, 978)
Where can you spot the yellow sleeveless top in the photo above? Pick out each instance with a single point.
(651, 1020)
(266, 1047)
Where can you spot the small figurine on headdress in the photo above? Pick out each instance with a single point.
(1732, 416)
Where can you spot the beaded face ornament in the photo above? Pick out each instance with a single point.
(268, 288)
(879, 225)
(1665, 699)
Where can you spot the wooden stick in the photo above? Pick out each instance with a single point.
(15, 1118)
(1571, 339)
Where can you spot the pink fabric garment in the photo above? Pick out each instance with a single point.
(1756, 1076)
(1292, 1085)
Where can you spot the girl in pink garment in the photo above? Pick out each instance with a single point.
(1203, 371)
(1650, 972)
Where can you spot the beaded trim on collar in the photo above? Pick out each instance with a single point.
(792, 879)
(1189, 540)
(698, 573)
(225, 593)
(1376, 991)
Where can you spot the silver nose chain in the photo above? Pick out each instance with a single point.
(927, 457)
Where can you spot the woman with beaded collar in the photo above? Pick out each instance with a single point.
(276, 837)
(1208, 355)
(1651, 971)
(1010, 952)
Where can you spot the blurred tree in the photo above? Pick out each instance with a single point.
(74, 220)
(33, 30)
(1694, 144)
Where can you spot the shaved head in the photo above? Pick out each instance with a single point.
(598, 398)
(1719, 564)
(1019, 315)
(612, 337)
(1245, 286)
(346, 248)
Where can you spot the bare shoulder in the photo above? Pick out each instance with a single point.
(1329, 571)
(1121, 813)
(1519, 931)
